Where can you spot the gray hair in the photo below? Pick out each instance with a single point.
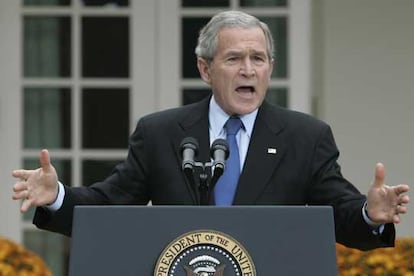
(207, 39)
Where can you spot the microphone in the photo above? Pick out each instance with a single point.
(219, 152)
(188, 149)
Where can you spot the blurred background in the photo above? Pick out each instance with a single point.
(76, 75)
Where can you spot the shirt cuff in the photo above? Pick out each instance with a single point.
(378, 228)
(59, 199)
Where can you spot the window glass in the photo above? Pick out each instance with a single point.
(120, 3)
(105, 118)
(190, 29)
(204, 3)
(278, 27)
(278, 96)
(51, 247)
(46, 2)
(46, 46)
(47, 113)
(96, 170)
(105, 47)
(263, 3)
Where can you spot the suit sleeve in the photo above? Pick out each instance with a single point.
(329, 186)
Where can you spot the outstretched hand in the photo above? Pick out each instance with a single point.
(36, 187)
(386, 203)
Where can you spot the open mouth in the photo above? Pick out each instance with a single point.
(245, 89)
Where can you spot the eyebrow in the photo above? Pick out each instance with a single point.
(238, 52)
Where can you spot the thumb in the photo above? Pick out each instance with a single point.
(379, 175)
(45, 160)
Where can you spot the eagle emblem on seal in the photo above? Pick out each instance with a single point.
(204, 266)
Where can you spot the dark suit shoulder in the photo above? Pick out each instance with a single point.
(186, 114)
(284, 118)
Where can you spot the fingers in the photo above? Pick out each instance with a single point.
(26, 205)
(401, 209)
(396, 219)
(403, 200)
(45, 160)
(23, 194)
(400, 189)
(379, 175)
(19, 186)
(22, 174)
(44, 163)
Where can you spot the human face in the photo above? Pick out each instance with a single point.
(240, 71)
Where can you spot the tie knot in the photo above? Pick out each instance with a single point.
(233, 125)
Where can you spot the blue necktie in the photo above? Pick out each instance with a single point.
(227, 183)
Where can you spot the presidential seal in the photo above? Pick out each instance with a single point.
(204, 253)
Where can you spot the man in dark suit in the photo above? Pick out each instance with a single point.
(287, 158)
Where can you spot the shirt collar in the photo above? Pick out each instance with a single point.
(217, 118)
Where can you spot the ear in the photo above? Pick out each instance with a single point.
(272, 62)
(204, 69)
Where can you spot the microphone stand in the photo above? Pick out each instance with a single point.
(206, 181)
(203, 174)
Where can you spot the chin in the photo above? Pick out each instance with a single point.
(242, 110)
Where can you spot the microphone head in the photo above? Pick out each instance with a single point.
(189, 143)
(220, 144)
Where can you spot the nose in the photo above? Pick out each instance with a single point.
(247, 69)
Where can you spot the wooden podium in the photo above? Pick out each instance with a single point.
(185, 240)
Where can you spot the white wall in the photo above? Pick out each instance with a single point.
(9, 117)
(364, 73)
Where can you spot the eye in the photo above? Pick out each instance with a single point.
(232, 58)
(258, 58)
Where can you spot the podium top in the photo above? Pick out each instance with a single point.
(129, 240)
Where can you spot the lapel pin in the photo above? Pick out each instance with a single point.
(271, 151)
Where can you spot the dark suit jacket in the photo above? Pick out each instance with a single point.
(304, 170)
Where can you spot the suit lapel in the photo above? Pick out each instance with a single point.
(265, 151)
(194, 123)
(261, 160)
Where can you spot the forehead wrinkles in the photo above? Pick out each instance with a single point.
(239, 39)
